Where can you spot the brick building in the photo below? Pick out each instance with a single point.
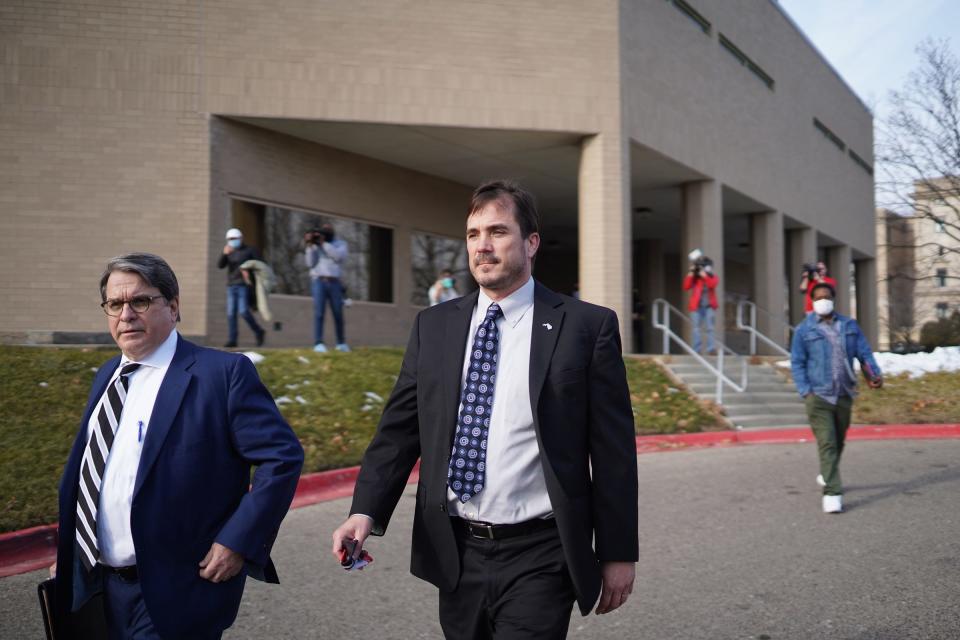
(646, 128)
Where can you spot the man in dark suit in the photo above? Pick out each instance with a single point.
(157, 508)
(515, 398)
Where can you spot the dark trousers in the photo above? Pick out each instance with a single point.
(513, 588)
(126, 613)
(829, 423)
(327, 291)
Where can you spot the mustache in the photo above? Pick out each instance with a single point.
(486, 259)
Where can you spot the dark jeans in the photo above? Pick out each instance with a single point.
(829, 424)
(327, 291)
(237, 305)
(514, 588)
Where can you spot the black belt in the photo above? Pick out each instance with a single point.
(127, 574)
(488, 531)
(328, 279)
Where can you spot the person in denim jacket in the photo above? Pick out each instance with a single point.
(821, 359)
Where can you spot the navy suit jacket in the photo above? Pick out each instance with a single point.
(583, 421)
(212, 421)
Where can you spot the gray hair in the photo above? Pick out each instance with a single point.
(152, 268)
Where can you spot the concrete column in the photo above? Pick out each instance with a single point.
(604, 227)
(803, 249)
(703, 228)
(766, 242)
(839, 259)
(867, 308)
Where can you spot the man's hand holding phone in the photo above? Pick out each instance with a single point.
(348, 542)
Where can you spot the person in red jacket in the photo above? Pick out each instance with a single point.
(813, 277)
(703, 301)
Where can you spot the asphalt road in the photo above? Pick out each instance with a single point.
(733, 545)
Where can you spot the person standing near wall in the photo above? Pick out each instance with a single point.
(235, 253)
(703, 300)
(444, 289)
(325, 254)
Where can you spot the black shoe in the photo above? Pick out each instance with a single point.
(230, 345)
(260, 337)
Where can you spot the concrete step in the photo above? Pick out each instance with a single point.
(771, 420)
(779, 408)
(750, 398)
(752, 386)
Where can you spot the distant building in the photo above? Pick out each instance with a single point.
(895, 267)
(918, 258)
(646, 128)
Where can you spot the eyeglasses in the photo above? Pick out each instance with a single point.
(139, 304)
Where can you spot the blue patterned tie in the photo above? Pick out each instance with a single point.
(468, 457)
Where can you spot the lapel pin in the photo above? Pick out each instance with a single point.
(548, 326)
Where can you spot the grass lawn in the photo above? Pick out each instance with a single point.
(333, 402)
(931, 399)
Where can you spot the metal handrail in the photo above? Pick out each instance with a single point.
(751, 328)
(670, 334)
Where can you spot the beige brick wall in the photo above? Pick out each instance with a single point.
(539, 64)
(102, 152)
(688, 98)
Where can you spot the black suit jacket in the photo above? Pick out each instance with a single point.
(583, 421)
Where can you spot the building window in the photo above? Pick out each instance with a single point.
(860, 162)
(942, 310)
(939, 225)
(831, 136)
(941, 250)
(431, 254)
(745, 60)
(941, 277)
(693, 14)
(367, 273)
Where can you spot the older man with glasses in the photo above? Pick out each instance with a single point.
(157, 508)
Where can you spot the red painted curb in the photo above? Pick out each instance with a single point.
(35, 548)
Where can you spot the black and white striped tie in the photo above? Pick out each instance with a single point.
(94, 461)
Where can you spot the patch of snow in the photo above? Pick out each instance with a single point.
(303, 360)
(914, 364)
(301, 399)
(283, 400)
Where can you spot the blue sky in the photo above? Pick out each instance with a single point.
(871, 42)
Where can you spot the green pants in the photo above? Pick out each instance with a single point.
(829, 423)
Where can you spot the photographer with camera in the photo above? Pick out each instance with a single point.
(814, 273)
(703, 300)
(325, 253)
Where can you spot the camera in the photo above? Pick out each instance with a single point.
(810, 269)
(700, 262)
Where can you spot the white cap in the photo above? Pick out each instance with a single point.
(234, 233)
(694, 255)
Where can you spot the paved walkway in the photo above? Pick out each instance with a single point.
(733, 545)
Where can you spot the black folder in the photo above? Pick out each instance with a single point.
(88, 623)
(45, 591)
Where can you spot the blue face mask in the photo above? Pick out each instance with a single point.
(447, 283)
(235, 242)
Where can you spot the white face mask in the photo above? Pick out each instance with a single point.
(823, 307)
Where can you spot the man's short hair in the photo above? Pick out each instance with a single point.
(823, 285)
(524, 204)
(152, 268)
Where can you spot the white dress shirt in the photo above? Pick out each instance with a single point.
(116, 491)
(514, 489)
